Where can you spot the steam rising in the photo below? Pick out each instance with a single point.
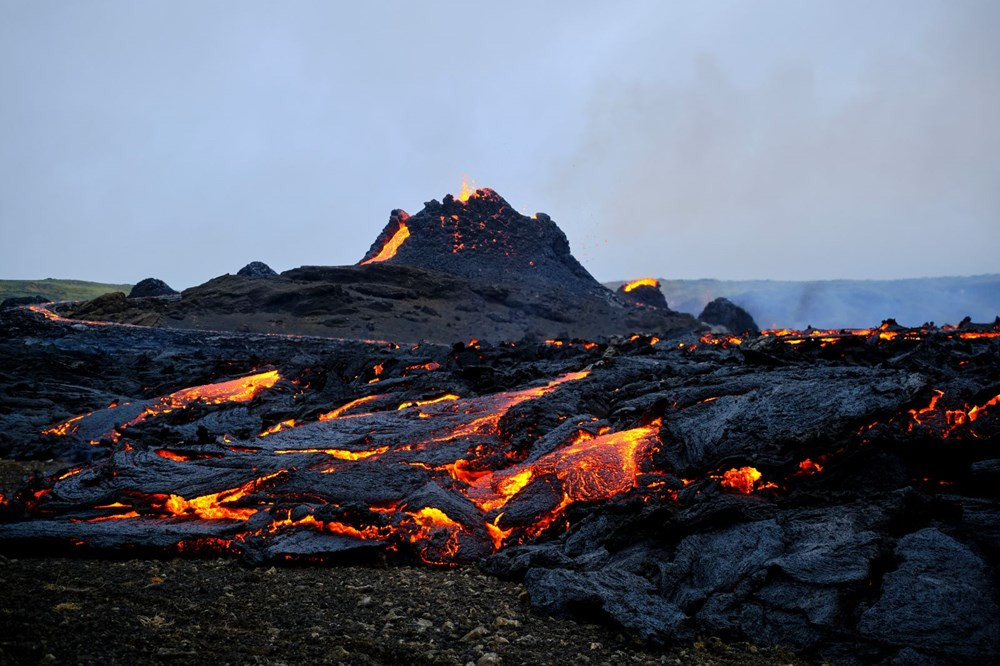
(833, 165)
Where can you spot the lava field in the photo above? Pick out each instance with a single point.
(834, 491)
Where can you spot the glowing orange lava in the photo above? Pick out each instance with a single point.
(468, 190)
(214, 506)
(590, 469)
(420, 403)
(642, 282)
(340, 454)
(339, 413)
(278, 427)
(808, 466)
(742, 479)
(243, 389)
(389, 250)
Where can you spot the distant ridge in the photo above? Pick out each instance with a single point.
(843, 303)
(58, 290)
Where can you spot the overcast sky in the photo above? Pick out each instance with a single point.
(789, 140)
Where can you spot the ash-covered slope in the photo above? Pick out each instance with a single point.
(481, 237)
(463, 268)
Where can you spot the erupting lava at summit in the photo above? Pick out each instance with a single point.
(468, 190)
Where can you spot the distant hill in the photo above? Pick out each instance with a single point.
(58, 290)
(844, 303)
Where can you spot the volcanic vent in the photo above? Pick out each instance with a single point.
(478, 235)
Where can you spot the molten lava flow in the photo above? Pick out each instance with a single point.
(45, 312)
(973, 335)
(604, 466)
(339, 412)
(722, 340)
(430, 518)
(922, 416)
(115, 516)
(433, 401)
(278, 427)
(234, 390)
(340, 454)
(589, 469)
(389, 250)
(497, 534)
(66, 427)
(170, 455)
(427, 522)
(504, 402)
(642, 282)
(975, 412)
(946, 421)
(243, 389)
(213, 506)
(52, 316)
(430, 367)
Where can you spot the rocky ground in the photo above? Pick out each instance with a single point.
(215, 611)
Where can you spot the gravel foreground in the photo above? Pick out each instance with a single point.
(180, 611)
(216, 611)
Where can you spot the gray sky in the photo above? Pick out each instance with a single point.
(790, 140)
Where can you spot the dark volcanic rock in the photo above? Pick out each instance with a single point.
(114, 305)
(257, 269)
(767, 416)
(643, 292)
(940, 599)
(723, 312)
(151, 287)
(623, 597)
(17, 301)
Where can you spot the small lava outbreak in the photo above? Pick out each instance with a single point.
(644, 292)
(835, 491)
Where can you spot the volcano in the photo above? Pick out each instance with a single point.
(466, 267)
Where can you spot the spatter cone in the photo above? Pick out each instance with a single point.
(482, 238)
